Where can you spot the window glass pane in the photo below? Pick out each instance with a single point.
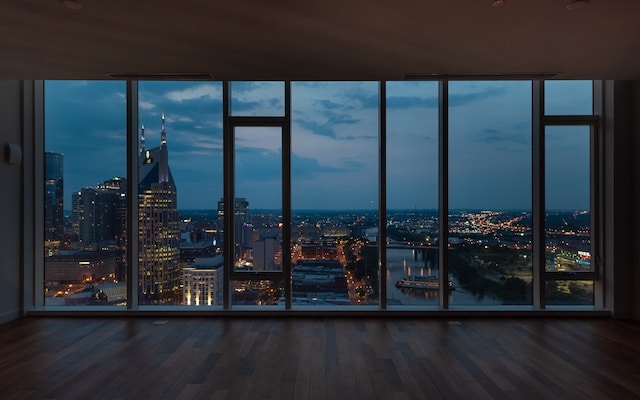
(257, 293)
(258, 168)
(334, 193)
(490, 192)
(569, 292)
(85, 193)
(567, 198)
(180, 180)
(412, 193)
(568, 97)
(259, 99)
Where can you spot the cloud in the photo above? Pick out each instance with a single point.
(338, 154)
(146, 105)
(396, 102)
(185, 139)
(308, 167)
(260, 138)
(118, 137)
(494, 136)
(460, 99)
(200, 91)
(178, 118)
(334, 139)
(257, 98)
(359, 137)
(410, 94)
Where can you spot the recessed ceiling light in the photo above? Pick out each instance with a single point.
(576, 5)
(72, 4)
(497, 3)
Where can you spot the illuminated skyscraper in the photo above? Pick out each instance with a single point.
(53, 196)
(240, 222)
(158, 226)
(98, 217)
(240, 210)
(98, 212)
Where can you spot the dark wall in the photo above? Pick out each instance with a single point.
(620, 166)
(635, 185)
(11, 126)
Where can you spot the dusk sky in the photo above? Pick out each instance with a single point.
(334, 141)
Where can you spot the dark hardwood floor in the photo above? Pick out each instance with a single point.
(319, 358)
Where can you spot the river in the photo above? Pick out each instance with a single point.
(403, 262)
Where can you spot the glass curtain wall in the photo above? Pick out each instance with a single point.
(180, 182)
(412, 194)
(85, 190)
(334, 191)
(258, 187)
(490, 222)
(563, 98)
(569, 208)
(257, 231)
(568, 212)
(334, 187)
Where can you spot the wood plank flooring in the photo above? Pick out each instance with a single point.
(319, 358)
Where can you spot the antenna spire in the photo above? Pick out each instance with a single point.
(163, 134)
(142, 141)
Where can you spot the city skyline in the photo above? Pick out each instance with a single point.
(334, 141)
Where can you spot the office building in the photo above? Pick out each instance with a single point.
(53, 195)
(100, 213)
(158, 226)
(202, 282)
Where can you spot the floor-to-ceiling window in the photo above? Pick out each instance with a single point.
(180, 178)
(301, 174)
(85, 211)
(412, 238)
(570, 176)
(257, 135)
(490, 192)
(334, 193)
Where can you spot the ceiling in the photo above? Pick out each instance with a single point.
(318, 40)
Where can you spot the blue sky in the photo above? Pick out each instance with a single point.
(334, 141)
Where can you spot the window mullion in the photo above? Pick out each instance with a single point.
(538, 193)
(443, 194)
(132, 195)
(382, 195)
(228, 195)
(286, 196)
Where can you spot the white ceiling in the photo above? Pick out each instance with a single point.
(318, 40)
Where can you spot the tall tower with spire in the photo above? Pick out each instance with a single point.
(164, 155)
(142, 140)
(158, 226)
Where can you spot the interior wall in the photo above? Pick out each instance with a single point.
(619, 167)
(635, 134)
(11, 126)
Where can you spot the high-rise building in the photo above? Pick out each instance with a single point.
(240, 210)
(202, 282)
(264, 254)
(118, 186)
(98, 217)
(158, 226)
(53, 196)
(240, 221)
